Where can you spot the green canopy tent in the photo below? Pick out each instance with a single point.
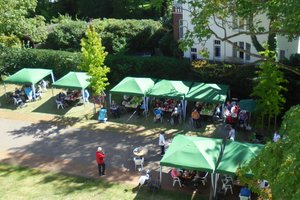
(73, 80)
(208, 92)
(194, 153)
(137, 86)
(29, 76)
(237, 154)
(171, 89)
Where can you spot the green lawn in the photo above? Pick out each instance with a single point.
(24, 183)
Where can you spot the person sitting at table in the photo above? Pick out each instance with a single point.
(199, 106)
(176, 173)
(126, 99)
(158, 115)
(245, 192)
(157, 104)
(196, 118)
(115, 111)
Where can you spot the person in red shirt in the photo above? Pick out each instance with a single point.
(100, 161)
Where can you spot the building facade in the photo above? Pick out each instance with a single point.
(219, 50)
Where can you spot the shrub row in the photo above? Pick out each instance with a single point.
(118, 36)
(239, 78)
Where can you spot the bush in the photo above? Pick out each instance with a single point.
(10, 41)
(66, 35)
(118, 36)
(60, 61)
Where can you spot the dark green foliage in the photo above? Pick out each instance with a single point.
(118, 36)
(66, 35)
(155, 67)
(60, 61)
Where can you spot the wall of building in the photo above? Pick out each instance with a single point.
(226, 48)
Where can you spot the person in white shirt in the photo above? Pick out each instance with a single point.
(161, 142)
(231, 134)
(276, 136)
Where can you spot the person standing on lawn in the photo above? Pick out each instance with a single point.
(100, 156)
(162, 142)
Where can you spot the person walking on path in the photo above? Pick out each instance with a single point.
(162, 142)
(100, 161)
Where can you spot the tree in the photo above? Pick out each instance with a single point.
(268, 88)
(282, 17)
(93, 57)
(15, 20)
(278, 162)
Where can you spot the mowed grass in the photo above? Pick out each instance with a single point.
(24, 183)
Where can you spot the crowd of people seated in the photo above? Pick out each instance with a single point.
(189, 177)
(170, 106)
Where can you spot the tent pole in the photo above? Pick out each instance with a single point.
(33, 91)
(160, 174)
(216, 181)
(82, 93)
(145, 107)
(52, 77)
(109, 99)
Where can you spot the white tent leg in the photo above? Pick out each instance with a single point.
(33, 92)
(52, 77)
(160, 174)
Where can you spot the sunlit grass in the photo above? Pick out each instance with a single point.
(24, 183)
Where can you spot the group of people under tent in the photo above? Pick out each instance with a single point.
(26, 94)
(235, 116)
(189, 177)
(72, 95)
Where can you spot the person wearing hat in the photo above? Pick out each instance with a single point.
(100, 156)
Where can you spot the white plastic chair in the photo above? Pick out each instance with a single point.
(244, 198)
(138, 162)
(204, 178)
(59, 104)
(226, 185)
(176, 180)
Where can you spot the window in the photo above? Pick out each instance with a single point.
(281, 54)
(193, 53)
(248, 48)
(240, 54)
(180, 28)
(240, 23)
(234, 50)
(217, 48)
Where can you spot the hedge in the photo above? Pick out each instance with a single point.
(239, 78)
(118, 36)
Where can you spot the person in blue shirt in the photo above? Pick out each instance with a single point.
(245, 192)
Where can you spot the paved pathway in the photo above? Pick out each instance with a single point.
(48, 143)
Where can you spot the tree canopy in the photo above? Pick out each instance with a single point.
(278, 162)
(93, 57)
(15, 20)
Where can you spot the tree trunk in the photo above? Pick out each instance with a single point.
(269, 121)
(275, 123)
(262, 121)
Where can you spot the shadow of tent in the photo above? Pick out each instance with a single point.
(50, 107)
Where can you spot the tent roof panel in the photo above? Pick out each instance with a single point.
(237, 154)
(74, 80)
(170, 88)
(133, 86)
(196, 153)
(208, 92)
(28, 76)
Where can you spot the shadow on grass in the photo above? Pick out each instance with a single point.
(49, 107)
